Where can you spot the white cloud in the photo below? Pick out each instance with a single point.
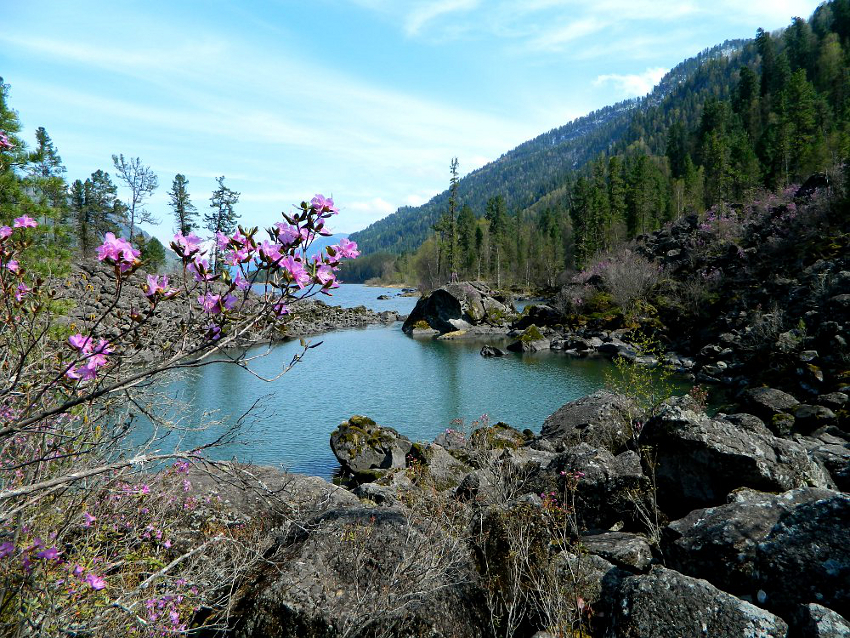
(634, 85)
(425, 12)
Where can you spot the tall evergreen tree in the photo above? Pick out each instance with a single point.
(452, 238)
(222, 215)
(185, 213)
(496, 214)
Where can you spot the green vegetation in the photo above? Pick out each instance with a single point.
(739, 118)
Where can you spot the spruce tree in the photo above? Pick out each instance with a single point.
(185, 212)
(222, 216)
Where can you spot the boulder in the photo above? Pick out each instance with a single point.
(538, 315)
(364, 572)
(699, 459)
(816, 621)
(833, 453)
(629, 551)
(459, 306)
(235, 494)
(442, 470)
(492, 351)
(667, 604)
(602, 419)
(811, 417)
(806, 556)
(366, 449)
(720, 543)
(611, 489)
(768, 403)
(531, 340)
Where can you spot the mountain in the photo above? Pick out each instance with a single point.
(527, 173)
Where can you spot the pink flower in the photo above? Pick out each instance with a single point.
(118, 251)
(186, 245)
(229, 301)
(158, 285)
(270, 252)
(296, 271)
(286, 234)
(325, 275)
(95, 582)
(89, 519)
(77, 571)
(48, 554)
(12, 265)
(21, 291)
(5, 232)
(322, 204)
(210, 303)
(221, 240)
(6, 549)
(81, 343)
(25, 222)
(241, 282)
(5, 144)
(280, 309)
(200, 269)
(347, 248)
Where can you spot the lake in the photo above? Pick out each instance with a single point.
(417, 386)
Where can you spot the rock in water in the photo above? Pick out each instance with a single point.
(458, 307)
(366, 449)
(492, 351)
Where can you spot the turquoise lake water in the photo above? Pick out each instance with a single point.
(416, 386)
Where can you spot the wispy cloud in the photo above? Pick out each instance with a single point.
(425, 12)
(635, 84)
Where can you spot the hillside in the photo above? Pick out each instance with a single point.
(527, 173)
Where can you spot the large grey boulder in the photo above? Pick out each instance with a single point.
(366, 449)
(364, 572)
(602, 419)
(720, 543)
(629, 551)
(776, 550)
(816, 621)
(699, 460)
(458, 307)
(610, 489)
(667, 604)
(772, 406)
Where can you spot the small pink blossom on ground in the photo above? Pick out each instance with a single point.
(5, 232)
(95, 582)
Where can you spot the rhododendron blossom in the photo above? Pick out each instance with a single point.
(25, 222)
(347, 248)
(5, 232)
(119, 251)
(185, 245)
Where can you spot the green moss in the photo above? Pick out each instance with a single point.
(532, 333)
(421, 325)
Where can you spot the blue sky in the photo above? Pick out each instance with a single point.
(367, 100)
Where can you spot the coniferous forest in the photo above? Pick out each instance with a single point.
(738, 119)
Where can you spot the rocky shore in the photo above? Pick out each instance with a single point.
(91, 292)
(672, 524)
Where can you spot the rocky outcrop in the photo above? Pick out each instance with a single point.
(667, 604)
(778, 551)
(461, 306)
(702, 459)
(610, 489)
(601, 419)
(364, 572)
(368, 450)
(530, 340)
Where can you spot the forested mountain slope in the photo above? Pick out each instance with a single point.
(534, 168)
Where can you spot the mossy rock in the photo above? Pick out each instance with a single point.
(532, 333)
(421, 325)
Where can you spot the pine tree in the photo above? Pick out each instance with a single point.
(452, 256)
(222, 217)
(185, 212)
(466, 238)
(497, 216)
